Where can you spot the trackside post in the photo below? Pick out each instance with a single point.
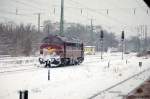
(23, 94)
(48, 66)
(140, 64)
(48, 73)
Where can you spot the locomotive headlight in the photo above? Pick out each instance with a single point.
(57, 58)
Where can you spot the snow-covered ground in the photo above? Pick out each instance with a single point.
(78, 82)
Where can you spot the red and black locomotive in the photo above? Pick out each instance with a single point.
(61, 51)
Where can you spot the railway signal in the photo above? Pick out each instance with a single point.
(122, 36)
(102, 34)
(122, 40)
(101, 41)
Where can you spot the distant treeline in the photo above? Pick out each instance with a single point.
(17, 40)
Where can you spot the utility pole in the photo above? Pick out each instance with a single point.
(39, 19)
(62, 18)
(16, 11)
(125, 45)
(48, 26)
(92, 26)
(138, 39)
(92, 30)
(111, 40)
(142, 37)
(146, 38)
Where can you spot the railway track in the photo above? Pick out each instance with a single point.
(117, 84)
(17, 69)
(21, 68)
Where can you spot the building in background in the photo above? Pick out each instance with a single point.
(89, 50)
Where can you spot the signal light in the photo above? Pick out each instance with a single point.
(122, 36)
(102, 34)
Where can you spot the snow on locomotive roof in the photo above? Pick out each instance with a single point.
(64, 39)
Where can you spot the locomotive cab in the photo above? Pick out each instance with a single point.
(51, 50)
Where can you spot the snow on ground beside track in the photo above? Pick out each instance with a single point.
(74, 82)
(17, 61)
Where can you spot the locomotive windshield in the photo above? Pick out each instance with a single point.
(45, 40)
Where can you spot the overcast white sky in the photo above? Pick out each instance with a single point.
(120, 12)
